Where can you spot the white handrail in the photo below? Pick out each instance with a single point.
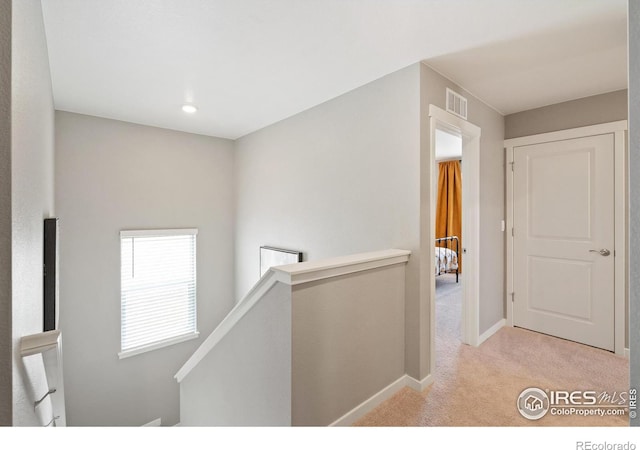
(292, 274)
(306, 272)
(244, 306)
(49, 345)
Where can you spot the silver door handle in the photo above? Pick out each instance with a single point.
(603, 251)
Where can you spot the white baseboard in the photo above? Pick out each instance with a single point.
(154, 423)
(491, 331)
(373, 401)
(626, 353)
(419, 385)
(365, 407)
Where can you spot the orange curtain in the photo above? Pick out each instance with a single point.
(449, 207)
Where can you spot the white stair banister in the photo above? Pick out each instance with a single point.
(49, 345)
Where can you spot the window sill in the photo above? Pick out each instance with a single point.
(157, 345)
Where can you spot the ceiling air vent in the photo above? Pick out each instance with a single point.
(456, 104)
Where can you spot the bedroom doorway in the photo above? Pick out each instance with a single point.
(447, 176)
(446, 127)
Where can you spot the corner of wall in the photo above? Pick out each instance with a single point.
(32, 147)
(6, 396)
(634, 192)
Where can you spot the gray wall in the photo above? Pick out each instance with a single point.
(338, 179)
(634, 215)
(5, 213)
(492, 193)
(32, 129)
(112, 176)
(347, 342)
(572, 114)
(246, 378)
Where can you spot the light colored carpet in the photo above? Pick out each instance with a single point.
(480, 386)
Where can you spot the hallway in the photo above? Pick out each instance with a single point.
(480, 386)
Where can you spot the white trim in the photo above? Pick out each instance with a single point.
(154, 423)
(620, 208)
(470, 134)
(421, 385)
(165, 232)
(157, 345)
(376, 399)
(509, 158)
(572, 133)
(471, 238)
(491, 331)
(620, 240)
(462, 125)
(627, 353)
(369, 404)
(39, 342)
(292, 274)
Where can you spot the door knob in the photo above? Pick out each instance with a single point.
(603, 251)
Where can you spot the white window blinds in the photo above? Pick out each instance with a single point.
(158, 288)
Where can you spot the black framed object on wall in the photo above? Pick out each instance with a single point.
(50, 275)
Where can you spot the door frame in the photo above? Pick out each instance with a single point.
(470, 134)
(618, 129)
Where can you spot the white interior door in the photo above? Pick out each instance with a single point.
(563, 218)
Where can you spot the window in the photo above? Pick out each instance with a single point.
(158, 289)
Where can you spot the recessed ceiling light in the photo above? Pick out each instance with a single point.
(190, 109)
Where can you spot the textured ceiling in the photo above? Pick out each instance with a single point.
(247, 64)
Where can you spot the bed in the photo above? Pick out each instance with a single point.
(446, 255)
